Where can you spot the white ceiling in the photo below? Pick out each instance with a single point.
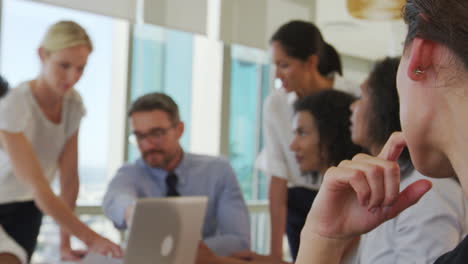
(359, 38)
(120, 8)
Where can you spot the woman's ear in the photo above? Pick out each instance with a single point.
(43, 54)
(180, 128)
(312, 63)
(421, 58)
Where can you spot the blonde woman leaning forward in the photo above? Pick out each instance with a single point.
(359, 195)
(39, 123)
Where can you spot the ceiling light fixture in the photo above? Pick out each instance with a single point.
(375, 9)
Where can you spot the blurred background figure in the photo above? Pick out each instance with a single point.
(305, 64)
(39, 124)
(437, 223)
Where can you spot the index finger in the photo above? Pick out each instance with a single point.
(117, 252)
(393, 148)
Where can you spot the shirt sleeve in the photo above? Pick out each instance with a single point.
(15, 113)
(121, 193)
(75, 112)
(427, 230)
(272, 160)
(233, 232)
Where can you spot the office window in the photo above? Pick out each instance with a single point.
(250, 84)
(162, 62)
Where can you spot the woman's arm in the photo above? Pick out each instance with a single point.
(69, 188)
(9, 258)
(278, 210)
(27, 168)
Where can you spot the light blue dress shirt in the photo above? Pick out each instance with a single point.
(226, 228)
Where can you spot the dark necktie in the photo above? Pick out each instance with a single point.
(171, 184)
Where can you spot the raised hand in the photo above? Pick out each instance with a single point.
(359, 195)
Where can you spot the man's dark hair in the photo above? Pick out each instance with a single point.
(4, 87)
(331, 112)
(156, 101)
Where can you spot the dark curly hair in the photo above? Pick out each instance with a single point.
(384, 114)
(331, 112)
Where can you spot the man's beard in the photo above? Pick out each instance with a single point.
(157, 163)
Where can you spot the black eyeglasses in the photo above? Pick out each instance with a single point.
(153, 135)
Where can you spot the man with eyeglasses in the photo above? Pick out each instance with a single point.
(164, 169)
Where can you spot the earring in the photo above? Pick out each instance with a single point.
(418, 71)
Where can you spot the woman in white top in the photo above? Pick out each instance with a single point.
(438, 222)
(305, 64)
(39, 123)
(361, 194)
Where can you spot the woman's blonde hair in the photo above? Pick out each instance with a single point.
(65, 34)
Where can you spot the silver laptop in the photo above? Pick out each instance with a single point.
(164, 231)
